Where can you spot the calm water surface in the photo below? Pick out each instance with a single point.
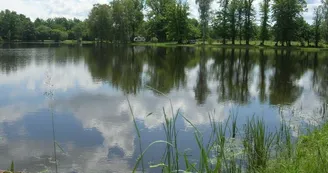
(86, 90)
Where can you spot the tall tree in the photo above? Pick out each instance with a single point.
(100, 22)
(265, 9)
(194, 29)
(224, 16)
(240, 11)
(285, 15)
(158, 17)
(135, 15)
(204, 10)
(9, 27)
(43, 32)
(79, 31)
(317, 20)
(249, 14)
(325, 19)
(233, 7)
(178, 21)
(120, 20)
(303, 31)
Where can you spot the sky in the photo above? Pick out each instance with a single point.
(80, 8)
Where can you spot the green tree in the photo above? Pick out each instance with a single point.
(223, 17)
(317, 21)
(9, 27)
(79, 30)
(120, 19)
(43, 33)
(100, 22)
(240, 11)
(58, 35)
(303, 31)
(135, 16)
(178, 21)
(194, 29)
(249, 15)
(285, 15)
(204, 10)
(38, 22)
(265, 9)
(28, 31)
(233, 9)
(325, 19)
(158, 17)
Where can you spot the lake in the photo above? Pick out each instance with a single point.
(78, 96)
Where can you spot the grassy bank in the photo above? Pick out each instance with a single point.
(252, 45)
(310, 155)
(70, 42)
(251, 148)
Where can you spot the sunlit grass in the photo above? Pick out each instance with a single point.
(252, 44)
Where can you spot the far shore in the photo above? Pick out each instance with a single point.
(252, 45)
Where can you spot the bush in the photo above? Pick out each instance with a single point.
(1, 39)
(154, 40)
(210, 41)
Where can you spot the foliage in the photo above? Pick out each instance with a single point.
(317, 21)
(210, 41)
(194, 31)
(204, 10)
(265, 9)
(43, 32)
(252, 148)
(100, 21)
(120, 21)
(310, 154)
(285, 15)
(324, 8)
(249, 18)
(178, 26)
(158, 17)
(79, 31)
(154, 40)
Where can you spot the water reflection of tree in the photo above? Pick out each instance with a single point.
(232, 70)
(201, 89)
(120, 66)
(283, 89)
(262, 84)
(166, 67)
(321, 77)
(12, 60)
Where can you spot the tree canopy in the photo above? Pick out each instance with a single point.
(120, 21)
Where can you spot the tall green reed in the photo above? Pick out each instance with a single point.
(228, 148)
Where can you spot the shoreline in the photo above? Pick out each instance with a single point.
(173, 44)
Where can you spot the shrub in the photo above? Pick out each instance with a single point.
(210, 41)
(154, 40)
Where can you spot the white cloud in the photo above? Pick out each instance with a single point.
(80, 8)
(64, 76)
(51, 8)
(306, 109)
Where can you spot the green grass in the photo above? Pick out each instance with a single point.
(76, 42)
(310, 154)
(253, 44)
(251, 148)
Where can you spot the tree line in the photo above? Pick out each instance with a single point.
(120, 21)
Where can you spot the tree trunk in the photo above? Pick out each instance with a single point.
(262, 43)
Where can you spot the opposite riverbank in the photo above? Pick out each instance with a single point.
(252, 45)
